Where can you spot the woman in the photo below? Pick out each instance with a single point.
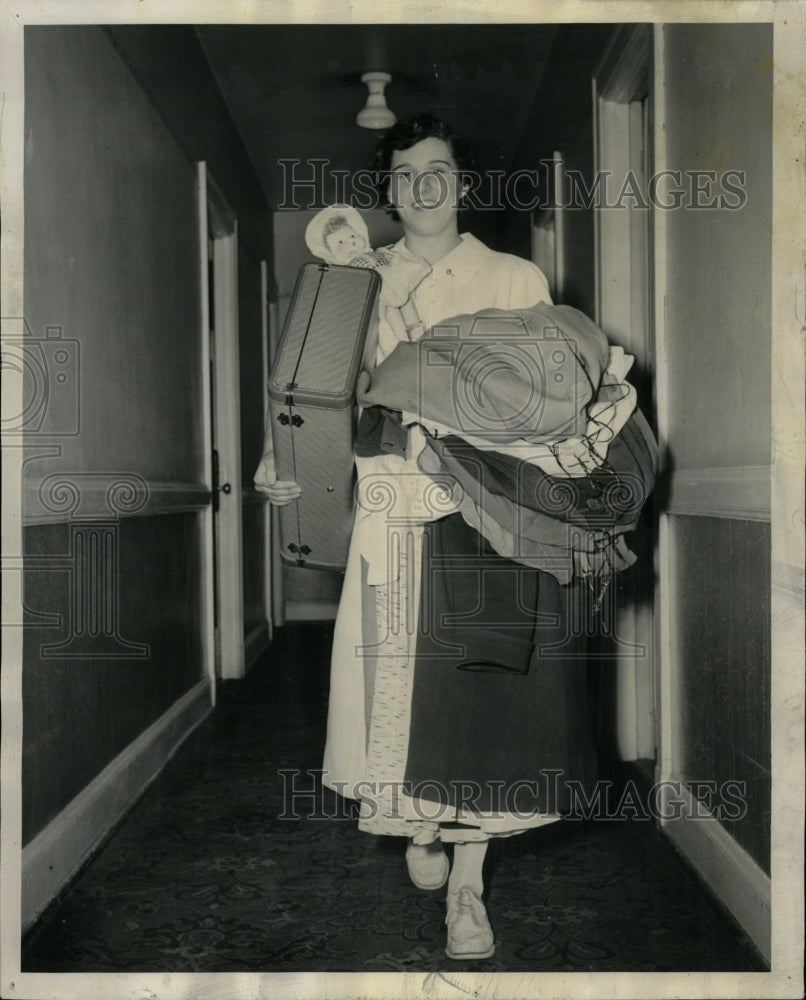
(438, 740)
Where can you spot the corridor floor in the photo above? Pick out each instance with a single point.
(205, 874)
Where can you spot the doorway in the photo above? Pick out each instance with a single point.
(623, 101)
(222, 445)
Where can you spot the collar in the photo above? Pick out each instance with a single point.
(465, 256)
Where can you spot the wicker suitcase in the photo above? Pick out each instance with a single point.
(312, 404)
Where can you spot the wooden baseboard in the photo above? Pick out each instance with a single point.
(51, 859)
(255, 643)
(728, 870)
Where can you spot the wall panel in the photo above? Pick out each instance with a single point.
(719, 119)
(722, 579)
(83, 704)
(112, 265)
(110, 221)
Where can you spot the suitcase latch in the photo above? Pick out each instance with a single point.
(303, 551)
(295, 421)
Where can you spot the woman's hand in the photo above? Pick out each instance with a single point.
(363, 386)
(278, 491)
(282, 492)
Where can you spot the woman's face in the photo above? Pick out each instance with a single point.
(424, 186)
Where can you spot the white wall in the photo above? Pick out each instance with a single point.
(715, 335)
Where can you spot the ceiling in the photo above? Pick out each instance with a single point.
(293, 91)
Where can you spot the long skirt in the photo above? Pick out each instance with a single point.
(458, 705)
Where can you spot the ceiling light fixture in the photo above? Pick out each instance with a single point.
(375, 114)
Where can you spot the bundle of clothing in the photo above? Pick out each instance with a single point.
(528, 416)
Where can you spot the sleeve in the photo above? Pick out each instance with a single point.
(266, 473)
(527, 284)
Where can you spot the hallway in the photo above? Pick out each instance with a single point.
(203, 876)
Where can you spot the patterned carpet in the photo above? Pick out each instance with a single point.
(203, 875)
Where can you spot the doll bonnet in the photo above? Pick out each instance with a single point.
(314, 232)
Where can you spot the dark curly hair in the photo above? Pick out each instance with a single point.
(407, 132)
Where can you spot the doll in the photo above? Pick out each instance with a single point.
(338, 235)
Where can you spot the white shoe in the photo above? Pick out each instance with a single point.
(427, 869)
(469, 931)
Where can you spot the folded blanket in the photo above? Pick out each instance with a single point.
(575, 456)
(528, 536)
(608, 497)
(566, 527)
(503, 375)
(528, 413)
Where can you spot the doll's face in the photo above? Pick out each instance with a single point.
(344, 243)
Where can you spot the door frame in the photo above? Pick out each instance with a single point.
(272, 567)
(624, 309)
(225, 656)
(275, 567)
(548, 232)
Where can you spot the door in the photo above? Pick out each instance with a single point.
(223, 557)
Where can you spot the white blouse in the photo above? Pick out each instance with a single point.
(469, 278)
